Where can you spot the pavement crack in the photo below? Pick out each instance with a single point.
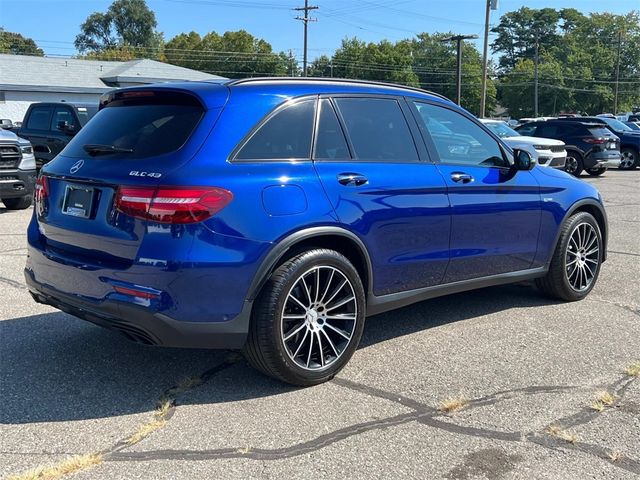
(13, 283)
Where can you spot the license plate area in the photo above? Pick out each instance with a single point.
(78, 201)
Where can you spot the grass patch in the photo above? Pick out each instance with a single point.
(633, 370)
(159, 420)
(556, 431)
(451, 405)
(606, 398)
(598, 406)
(615, 456)
(66, 467)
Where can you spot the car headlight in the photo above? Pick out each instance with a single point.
(28, 161)
(540, 147)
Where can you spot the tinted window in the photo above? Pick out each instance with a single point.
(85, 113)
(467, 143)
(146, 127)
(330, 141)
(40, 118)
(377, 129)
(553, 131)
(61, 114)
(287, 134)
(527, 129)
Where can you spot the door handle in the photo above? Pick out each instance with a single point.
(352, 179)
(461, 177)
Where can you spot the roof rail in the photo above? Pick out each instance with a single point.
(242, 81)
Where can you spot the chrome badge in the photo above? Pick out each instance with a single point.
(76, 166)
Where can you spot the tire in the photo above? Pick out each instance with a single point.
(19, 203)
(298, 360)
(574, 164)
(564, 282)
(596, 172)
(630, 159)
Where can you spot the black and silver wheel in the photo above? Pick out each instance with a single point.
(308, 320)
(576, 261)
(573, 164)
(596, 172)
(629, 159)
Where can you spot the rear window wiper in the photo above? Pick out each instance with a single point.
(98, 149)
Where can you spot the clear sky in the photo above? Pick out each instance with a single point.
(55, 23)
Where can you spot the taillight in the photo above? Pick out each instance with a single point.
(176, 205)
(595, 141)
(41, 194)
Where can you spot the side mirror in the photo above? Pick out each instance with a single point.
(523, 160)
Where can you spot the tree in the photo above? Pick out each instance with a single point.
(232, 54)
(128, 25)
(16, 44)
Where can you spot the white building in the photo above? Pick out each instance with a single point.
(27, 79)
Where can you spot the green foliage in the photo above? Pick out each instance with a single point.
(232, 54)
(127, 28)
(16, 44)
(578, 56)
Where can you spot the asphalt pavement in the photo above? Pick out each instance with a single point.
(525, 378)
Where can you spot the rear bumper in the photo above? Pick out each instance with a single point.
(142, 325)
(606, 159)
(17, 183)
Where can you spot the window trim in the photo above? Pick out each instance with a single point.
(232, 158)
(507, 152)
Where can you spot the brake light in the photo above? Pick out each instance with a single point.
(595, 141)
(175, 205)
(41, 193)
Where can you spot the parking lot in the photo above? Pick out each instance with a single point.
(523, 376)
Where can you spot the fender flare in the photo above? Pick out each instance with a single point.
(284, 245)
(574, 207)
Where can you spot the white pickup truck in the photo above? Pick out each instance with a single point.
(547, 152)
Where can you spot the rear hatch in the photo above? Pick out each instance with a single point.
(603, 140)
(138, 137)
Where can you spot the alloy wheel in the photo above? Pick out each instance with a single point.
(571, 165)
(582, 257)
(319, 318)
(627, 159)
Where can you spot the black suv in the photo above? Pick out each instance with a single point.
(50, 126)
(590, 146)
(629, 139)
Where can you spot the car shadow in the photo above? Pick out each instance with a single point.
(54, 367)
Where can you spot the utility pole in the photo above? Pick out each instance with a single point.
(615, 97)
(491, 5)
(458, 39)
(305, 19)
(535, 78)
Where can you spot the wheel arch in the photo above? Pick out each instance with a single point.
(594, 208)
(335, 238)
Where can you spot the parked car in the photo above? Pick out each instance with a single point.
(17, 171)
(274, 215)
(589, 145)
(6, 124)
(633, 125)
(629, 139)
(50, 126)
(546, 151)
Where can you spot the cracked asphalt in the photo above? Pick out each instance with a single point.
(530, 369)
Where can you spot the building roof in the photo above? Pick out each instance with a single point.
(72, 75)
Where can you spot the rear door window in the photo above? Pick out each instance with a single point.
(62, 115)
(377, 129)
(330, 141)
(39, 118)
(139, 127)
(286, 134)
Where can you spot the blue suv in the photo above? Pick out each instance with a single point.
(274, 215)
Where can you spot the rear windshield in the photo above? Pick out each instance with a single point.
(599, 132)
(138, 127)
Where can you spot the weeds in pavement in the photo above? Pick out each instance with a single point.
(66, 467)
(556, 431)
(633, 370)
(451, 405)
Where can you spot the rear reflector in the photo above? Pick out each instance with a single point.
(133, 292)
(595, 141)
(175, 205)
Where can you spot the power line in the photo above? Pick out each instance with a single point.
(305, 20)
